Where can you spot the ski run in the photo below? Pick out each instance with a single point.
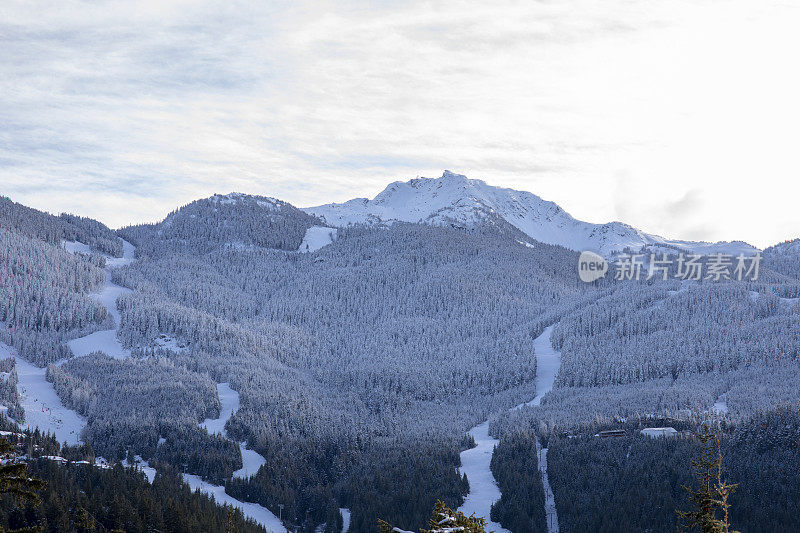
(229, 404)
(475, 462)
(44, 409)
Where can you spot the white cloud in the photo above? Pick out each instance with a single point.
(122, 111)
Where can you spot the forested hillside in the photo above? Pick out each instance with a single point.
(82, 495)
(43, 297)
(635, 483)
(358, 368)
(234, 220)
(343, 358)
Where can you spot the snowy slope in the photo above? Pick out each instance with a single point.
(260, 514)
(252, 461)
(476, 462)
(43, 407)
(455, 199)
(316, 237)
(229, 404)
(548, 361)
(106, 341)
(483, 490)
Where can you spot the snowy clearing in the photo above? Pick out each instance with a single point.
(316, 237)
(475, 462)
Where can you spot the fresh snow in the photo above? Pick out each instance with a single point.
(550, 514)
(483, 491)
(229, 404)
(106, 341)
(345, 519)
(260, 514)
(316, 237)
(475, 462)
(453, 198)
(43, 407)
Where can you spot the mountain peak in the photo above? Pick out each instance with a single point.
(456, 198)
(239, 197)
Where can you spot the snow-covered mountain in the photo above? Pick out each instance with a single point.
(456, 199)
(784, 258)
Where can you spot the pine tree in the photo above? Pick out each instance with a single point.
(443, 520)
(711, 496)
(230, 527)
(14, 478)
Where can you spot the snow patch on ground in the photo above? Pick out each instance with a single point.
(721, 405)
(345, 519)
(77, 247)
(316, 237)
(141, 465)
(170, 343)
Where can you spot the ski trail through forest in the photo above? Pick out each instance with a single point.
(475, 462)
(106, 341)
(43, 407)
(251, 462)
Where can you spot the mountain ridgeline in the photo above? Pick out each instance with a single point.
(360, 366)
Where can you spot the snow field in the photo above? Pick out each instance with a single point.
(316, 237)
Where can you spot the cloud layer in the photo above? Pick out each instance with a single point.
(678, 117)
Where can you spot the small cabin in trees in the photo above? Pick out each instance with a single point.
(609, 433)
(657, 433)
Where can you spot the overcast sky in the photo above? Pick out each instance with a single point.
(678, 117)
